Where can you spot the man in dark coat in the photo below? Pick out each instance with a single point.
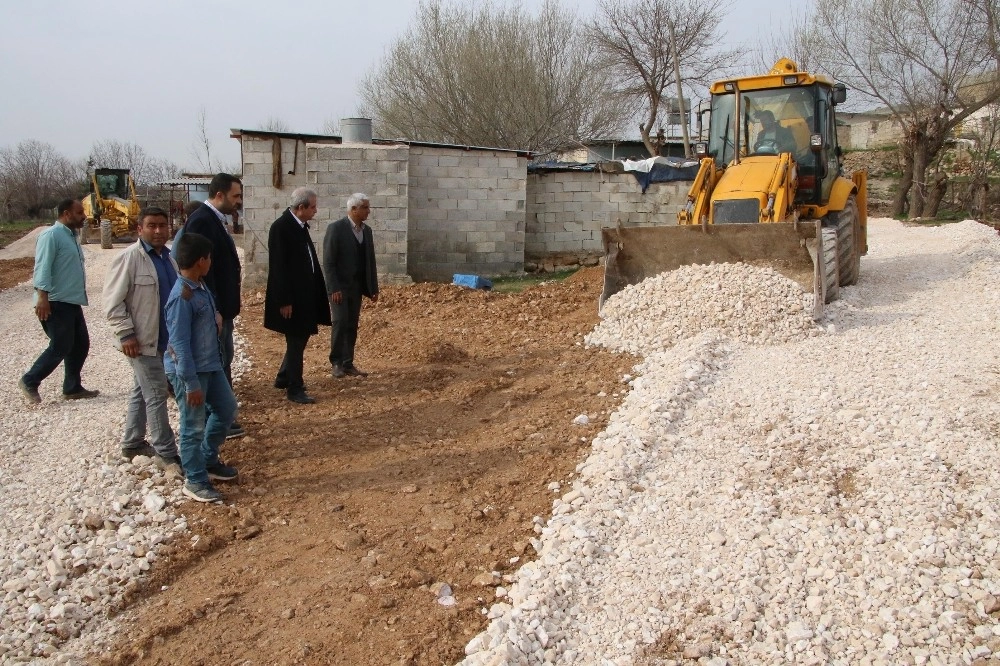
(349, 266)
(225, 195)
(296, 302)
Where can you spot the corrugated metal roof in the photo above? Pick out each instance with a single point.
(184, 181)
(332, 138)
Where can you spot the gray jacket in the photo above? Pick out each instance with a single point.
(132, 298)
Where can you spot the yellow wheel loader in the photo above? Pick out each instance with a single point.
(770, 191)
(112, 209)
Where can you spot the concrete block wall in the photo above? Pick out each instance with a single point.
(467, 212)
(263, 203)
(565, 211)
(337, 171)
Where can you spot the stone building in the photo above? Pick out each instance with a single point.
(437, 209)
(440, 209)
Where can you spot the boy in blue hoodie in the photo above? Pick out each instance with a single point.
(193, 363)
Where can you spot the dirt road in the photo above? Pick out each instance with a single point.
(428, 471)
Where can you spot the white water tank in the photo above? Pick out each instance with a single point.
(356, 130)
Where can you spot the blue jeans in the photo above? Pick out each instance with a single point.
(203, 428)
(69, 344)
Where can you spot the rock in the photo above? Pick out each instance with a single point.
(346, 540)
(154, 502)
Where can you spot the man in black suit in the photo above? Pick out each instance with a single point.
(296, 302)
(349, 267)
(225, 195)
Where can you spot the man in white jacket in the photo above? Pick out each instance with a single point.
(135, 291)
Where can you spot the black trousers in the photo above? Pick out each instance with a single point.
(345, 329)
(290, 372)
(69, 344)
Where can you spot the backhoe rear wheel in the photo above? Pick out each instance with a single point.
(848, 233)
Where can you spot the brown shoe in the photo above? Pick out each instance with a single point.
(338, 372)
(30, 394)
(355, 372)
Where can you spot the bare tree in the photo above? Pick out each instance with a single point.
(34, 176)
(792, 36)
(984, 162)
(492, 75)
(201, 150)
(274, 124)
(330, 126)
(633, 41)
(932, 63)
(146, 169)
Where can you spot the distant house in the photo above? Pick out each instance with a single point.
(868, 130)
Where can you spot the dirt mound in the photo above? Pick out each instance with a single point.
(24, 246)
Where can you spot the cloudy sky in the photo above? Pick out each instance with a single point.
(73, 72)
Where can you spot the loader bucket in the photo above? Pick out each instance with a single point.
(636, 253)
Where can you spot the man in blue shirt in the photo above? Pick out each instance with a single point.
(60, 294)
(135, 294)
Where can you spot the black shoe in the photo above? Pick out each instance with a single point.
(81, 394)
(235, 430)
(220, 471)
(144, 449)
(302, 398)
(30, 394)
(338, 371)
(280, 384)
(202, 492)
(355, 372)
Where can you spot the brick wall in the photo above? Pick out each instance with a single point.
(337, 171)
(467, 212)
(565, 211)
(263, 203)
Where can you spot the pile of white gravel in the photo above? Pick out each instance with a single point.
(832, 499)
(78, 526)
(743, 302)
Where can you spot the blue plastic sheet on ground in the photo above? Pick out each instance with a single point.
(471, 281)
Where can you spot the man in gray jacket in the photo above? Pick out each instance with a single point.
(135, 291)
(350, 272)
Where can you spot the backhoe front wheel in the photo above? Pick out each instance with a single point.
(848, 226)
(106, 236)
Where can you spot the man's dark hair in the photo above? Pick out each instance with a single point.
(190, 207)
(222, 182)
(189, 248)
(65, 205)
(152, 211)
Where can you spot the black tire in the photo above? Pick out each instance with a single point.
(848, 234)
(831, 265)
(106, 236)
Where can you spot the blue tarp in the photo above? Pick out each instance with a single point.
(471, 281)
(662, 170)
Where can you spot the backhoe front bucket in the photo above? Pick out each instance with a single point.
(636, 253)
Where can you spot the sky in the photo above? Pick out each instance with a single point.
(72, 72)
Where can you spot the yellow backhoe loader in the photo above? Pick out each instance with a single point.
(112, 209)
(770, 191)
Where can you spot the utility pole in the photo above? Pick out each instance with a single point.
(680, 92)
